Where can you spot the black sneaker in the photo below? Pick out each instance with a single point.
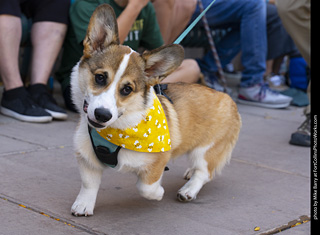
(302, 136)
(44, 99)
(17, 103)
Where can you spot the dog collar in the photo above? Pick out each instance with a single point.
(150, 135)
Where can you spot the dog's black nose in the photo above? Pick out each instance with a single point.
(102, 114)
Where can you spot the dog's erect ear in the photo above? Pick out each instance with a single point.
(102, 30)
(163, 60)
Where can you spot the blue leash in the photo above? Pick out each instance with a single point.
(187, 30)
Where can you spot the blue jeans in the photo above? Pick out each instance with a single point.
(247, 18)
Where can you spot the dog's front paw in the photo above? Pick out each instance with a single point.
(81, 208)
(152, 192)
(185, 196)
(156, 194)
(187, 193)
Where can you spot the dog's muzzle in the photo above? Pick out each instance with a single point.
(102, 114)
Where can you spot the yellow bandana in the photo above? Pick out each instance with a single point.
(150, 135)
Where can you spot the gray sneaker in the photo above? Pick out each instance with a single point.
(214, 84)
(261, 95)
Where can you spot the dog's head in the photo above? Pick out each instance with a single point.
(111, 84)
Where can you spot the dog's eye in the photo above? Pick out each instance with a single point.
(101, 79)
(126, 90)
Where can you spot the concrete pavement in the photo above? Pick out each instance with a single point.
(266, 185)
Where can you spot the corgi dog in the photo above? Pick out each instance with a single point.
(125, 125)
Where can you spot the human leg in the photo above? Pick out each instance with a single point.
(16, 102)
(188, 72)
(47, 36)
(164, 11)
(10, 27)
(295, 16)
(173, 16)
(247, 17)
(280, 44)
(279, 41)
(47, 39)
(10, 37)
(252, 90)
(183, 10)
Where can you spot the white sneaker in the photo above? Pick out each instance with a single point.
(261, 95)
(276, 82)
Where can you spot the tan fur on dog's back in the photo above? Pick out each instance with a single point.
(206, 117)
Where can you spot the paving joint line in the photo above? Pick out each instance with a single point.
(267, 115)
(291, 224)
(22, 140)
(50, 215)
(35, 150)
(268, 167)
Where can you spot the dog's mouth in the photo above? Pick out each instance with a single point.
(85, 106)
(95, 124)
(92, 123)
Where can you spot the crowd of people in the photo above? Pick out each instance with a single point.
(264, 32)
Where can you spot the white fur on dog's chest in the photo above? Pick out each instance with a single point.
(129, 160)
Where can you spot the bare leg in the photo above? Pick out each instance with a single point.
(10, 36)
(164, 10)
(47, 39)
(277, 64)
(182, 14)
(269, 66)
(188, 72)
(173, 16)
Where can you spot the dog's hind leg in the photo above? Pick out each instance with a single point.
(206, 162)
(86, 199)
(198, 174)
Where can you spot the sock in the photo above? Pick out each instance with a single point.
(37, 88)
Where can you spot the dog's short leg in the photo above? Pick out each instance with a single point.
(149, 180)
(152, 191)
(198, 174)
(188, 174)
(191, 189)
(86, 199)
